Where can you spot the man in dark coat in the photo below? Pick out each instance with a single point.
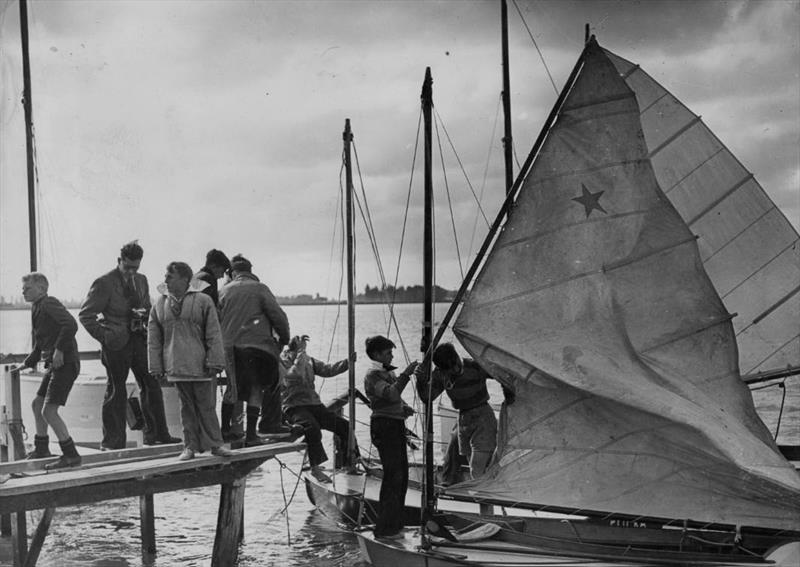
(115, 313)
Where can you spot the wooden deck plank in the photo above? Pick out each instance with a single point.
(138, 469)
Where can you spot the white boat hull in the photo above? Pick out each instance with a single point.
(83, 411)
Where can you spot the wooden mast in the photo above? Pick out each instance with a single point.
(427, 323)
(351, 306)
(27, 103)
(508, 147)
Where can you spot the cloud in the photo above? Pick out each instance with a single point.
(218, 124)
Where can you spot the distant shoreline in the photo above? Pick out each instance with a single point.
(281, 301)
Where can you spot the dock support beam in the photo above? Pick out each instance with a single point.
(148, 526)
(230, 524)
(37, 541)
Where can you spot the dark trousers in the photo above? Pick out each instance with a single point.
(389, 436)
(133, 356)
(314, 419)
(271, 415)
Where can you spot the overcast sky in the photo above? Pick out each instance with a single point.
(198, 125)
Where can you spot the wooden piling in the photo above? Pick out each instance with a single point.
(148, 525)
(229, 524)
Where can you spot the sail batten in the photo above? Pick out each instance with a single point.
(629, 397)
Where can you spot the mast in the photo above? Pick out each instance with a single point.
(27, 103)
(427, 105)
(508, 147)
(347, 136)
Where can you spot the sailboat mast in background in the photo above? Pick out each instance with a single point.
(351, 305)
(27, 103)
(508, 146)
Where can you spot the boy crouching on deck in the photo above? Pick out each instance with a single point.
(388, 431)
(54, 342)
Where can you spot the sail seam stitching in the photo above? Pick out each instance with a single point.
(631, 71)
(737, 235)
(693, 170)
(766, 358)
(672, 138)
(573, 172)
(652, 104)
(777, 304)
(682, 336)
(719, 199)
(630, 260)
(542, 233)
(599, 102)
(761, 267)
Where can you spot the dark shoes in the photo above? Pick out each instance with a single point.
(168, 440)
(221, 452)
(64, 462)
(232, 436)
(39, 454)
(318, 473)
(255, 441)
(281, 429)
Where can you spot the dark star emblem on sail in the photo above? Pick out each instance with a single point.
(589, 200)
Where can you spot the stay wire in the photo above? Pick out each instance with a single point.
(539, 51)
(449, 198)
(367, 219)
(485, 173)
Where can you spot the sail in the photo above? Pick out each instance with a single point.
(748, 247)
(595, 304)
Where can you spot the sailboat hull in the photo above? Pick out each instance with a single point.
(83, 411)
(497, 552)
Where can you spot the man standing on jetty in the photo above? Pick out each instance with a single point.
(54, 342)
(250, 317)
(115, 313)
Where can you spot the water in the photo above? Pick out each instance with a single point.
(107, 534)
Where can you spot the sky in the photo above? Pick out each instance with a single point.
(199, 125)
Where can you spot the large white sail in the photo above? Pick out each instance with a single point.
(748, 247)
(594, 302)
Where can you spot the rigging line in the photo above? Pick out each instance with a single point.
(408, 202)
(539, 51)
(367, 218)
(337, 208)
(485, 174)
(449, 202)
(461, 165)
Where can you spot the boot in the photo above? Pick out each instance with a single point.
(41, 447)
(69, 458)
(226, 414)
(251, 438)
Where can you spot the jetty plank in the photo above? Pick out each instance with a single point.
(127, 479)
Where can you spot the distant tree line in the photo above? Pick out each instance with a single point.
(382, 294)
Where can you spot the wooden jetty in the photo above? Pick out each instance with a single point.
(143, 472)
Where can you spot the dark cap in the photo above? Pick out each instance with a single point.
(217, 258)
(376, 344)
(241, 264)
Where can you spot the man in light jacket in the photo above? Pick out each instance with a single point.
(185, 345)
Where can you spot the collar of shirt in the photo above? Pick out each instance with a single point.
(375, 365)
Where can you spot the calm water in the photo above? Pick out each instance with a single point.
(107, 534)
